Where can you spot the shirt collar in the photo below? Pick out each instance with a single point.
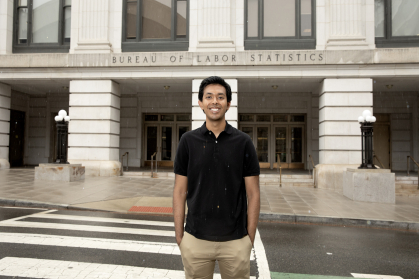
(228, 129)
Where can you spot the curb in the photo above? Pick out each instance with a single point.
(46, 205)
(337, 221)
(283, 218)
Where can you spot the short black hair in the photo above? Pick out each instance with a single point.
(214, 80)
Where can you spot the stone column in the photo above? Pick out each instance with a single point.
(90, 25)
(216, 25)
(198, 116)
(94, 127)
(6, 26)
(5, 101)
(341, 102)
(345, 24)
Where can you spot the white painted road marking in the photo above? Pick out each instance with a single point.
(74, 227)
(261, 260)
(91, 243)
(375, 276)
(103, 220)
(39, 268)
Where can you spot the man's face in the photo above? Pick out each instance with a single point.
(214, 102)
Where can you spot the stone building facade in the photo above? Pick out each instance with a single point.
(128, 73)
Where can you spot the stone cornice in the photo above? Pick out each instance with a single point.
(243, 58)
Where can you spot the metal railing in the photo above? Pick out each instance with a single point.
(378, 159)
(152, 156)
(313, 169)
(122, 162)
(279, 168)
(408, 166)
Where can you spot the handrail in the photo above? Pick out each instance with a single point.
(154, 154)
(279, 168)
(378, 159)
(312, 164)
(408, 166)
(122, 162)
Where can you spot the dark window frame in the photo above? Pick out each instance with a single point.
(390, 41)
(281, 43)
(138, 44)
(60, 47)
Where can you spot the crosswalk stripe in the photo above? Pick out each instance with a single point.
(102, 220)
(73, 227)
(92, 243)
(375, 276)
(260, 254)
(39, 268)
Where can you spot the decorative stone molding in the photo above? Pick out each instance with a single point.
(91, 26)
(346, 24)
(213, 25)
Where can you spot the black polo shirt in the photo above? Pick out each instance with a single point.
(216, 167)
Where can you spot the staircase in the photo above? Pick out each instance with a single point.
(147, 174)
(407, 186)
(288, 180)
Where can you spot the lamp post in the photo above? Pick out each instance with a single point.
(366, 121)
(62, 120)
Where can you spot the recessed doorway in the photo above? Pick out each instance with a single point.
(279, 136)
(162, 133)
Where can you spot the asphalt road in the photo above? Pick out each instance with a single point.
(78, 243)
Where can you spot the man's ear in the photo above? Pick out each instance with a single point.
(201, 105)
(228, 105)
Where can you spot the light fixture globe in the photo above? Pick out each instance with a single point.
(62, 113)
(366, 113)
(67, 118)
(361, 119)
(373, 119)
(59, 118)
(368, 118)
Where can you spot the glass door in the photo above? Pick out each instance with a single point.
(296, 147)
(166, 143)
(281, 146)
(262, 146)
(151, 136)
(181, 129)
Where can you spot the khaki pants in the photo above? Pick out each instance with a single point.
(199, 257)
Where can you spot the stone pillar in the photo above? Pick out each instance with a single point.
(6, 26)
(345, 24)
(341, 102)
(198, 116)
(5, 101)
(94, 127)
(216, 25)
(90, 25)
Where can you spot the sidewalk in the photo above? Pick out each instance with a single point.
(129, 194)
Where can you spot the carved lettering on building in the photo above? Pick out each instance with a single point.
(237, 58)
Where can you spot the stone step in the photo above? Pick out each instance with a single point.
(407, 193)
(288, 184)
(287, 176)
(145, 174)
(406, 178)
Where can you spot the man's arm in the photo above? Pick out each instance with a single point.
(253, 204)
(179, 198)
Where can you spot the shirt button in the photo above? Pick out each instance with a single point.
(215, 141)
(210, 133)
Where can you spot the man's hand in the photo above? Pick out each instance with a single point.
(179, 198)
(179, 239)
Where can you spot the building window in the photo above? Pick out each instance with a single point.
(155, 25)
(42, 26)
(397, 23)
(280, 24)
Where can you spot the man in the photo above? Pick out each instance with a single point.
(217, 173)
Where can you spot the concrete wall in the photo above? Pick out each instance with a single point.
(133, 106)
(403, 110)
